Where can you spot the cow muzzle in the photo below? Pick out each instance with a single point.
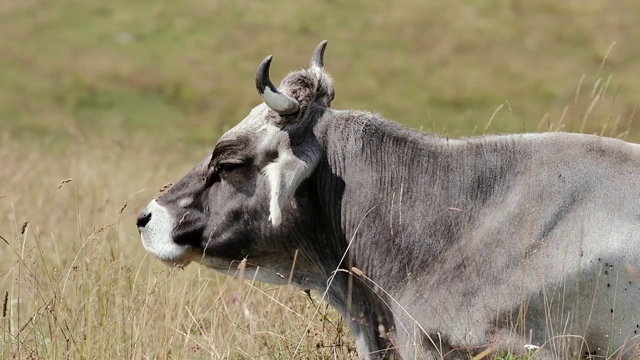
(156, 226)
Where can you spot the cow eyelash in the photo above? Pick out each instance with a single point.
(224, 167)
(209, 176)
(214, 171)
(228, 166)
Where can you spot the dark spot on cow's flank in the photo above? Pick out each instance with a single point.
(562, 179)
(552, 222)
(482, 187)
(598, 150)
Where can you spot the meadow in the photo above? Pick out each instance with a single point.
(102, 103)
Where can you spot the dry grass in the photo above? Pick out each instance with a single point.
(80, 67)
(77, 284)
(120, 98)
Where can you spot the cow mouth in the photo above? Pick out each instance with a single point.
(190, 255)
(187, 236)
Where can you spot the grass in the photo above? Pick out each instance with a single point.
(76, 67)
(76, 283)
(122, 97)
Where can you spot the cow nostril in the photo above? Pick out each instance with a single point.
(143, 219)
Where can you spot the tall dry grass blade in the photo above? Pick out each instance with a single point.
(545, 118)
(595, 88)
(604, 127)
(632, 116)
(577, 96)
(589, 110)
(606, 56)
(483, 354)
(614, 127)
(495, 112)
(561, 124)
(293, 265)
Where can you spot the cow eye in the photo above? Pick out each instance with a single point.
(228, 166)
(217, 172)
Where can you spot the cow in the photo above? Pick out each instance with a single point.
(428, 246)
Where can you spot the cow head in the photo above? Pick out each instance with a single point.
(247, 200)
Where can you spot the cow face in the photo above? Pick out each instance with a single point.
(247, 200)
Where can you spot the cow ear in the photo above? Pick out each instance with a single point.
(285, 176)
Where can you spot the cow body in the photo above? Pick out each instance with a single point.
(429, 247)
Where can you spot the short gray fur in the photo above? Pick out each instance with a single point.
(458, 245)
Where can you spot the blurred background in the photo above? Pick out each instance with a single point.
(102, 102)
(183, 70)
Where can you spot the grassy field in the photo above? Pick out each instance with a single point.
(103, 102)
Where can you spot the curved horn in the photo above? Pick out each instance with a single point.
(317, 59)
(279, 102)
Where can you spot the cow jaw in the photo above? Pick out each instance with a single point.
(157, 240)
(244, 270)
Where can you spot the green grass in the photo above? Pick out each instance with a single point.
(123, 97)
(508, 356)
(183, 71)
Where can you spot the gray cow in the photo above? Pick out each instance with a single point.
(429, 247)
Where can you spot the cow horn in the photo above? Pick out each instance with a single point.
(279, 102)
(317, 59)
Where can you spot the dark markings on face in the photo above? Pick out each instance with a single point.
(229, 150)
(227, 157)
